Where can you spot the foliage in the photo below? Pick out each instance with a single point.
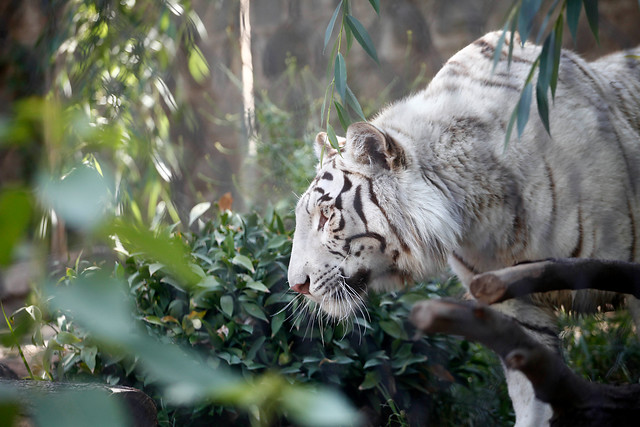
(350, 28)
(241, 319)
(521, 18)
(603, 347)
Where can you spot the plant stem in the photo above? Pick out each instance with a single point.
(24, 360)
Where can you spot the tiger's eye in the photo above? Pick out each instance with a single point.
(325, 213)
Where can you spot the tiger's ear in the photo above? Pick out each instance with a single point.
(368, 145)
(323, 147)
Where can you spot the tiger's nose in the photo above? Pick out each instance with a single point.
(302, 288)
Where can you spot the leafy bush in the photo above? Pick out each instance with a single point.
(241, 314)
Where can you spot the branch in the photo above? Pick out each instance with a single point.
(556, 274)
(574, 400)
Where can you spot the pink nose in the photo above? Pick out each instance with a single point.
(302, 288)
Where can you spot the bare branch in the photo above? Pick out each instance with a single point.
(556, 274)
(574, 400)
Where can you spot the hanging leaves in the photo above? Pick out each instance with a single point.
(362, 36)
(547, 63)
(350, 28)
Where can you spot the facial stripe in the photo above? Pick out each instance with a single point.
(357, 205)
(345, 187)
(374, 200)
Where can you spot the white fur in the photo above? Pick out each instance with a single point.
(453, 191)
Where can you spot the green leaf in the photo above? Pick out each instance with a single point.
(210, 283)
(547, 16)
(80, 197)
(527, 14)
(254, 311)
(77, 408)
(340, 75)
(333, 139)
(543, 106)
(557, 52)
(197, 64)
(574, 7)
(371, 363)
(354, 104)
(276, 322)
(15, 213)
(546, 65)
(497, 53)
(523, 108)
(343, 115)
(277, 242)
(391, 327)
(88, 355)
(197, 211)
(332, 22)
(243, 261)
(171, 252)
(591, 10)
(226, 304)
(66, 338)
(371, 379)
(258, 286)
(323, 407)
(376, 5)
(257, 345)
(362, 36)
(154, 267)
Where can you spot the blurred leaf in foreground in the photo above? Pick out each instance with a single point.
(15, 212)
(80, 197)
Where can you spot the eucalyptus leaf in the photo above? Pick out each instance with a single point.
(528, 12)
(376, 5)
(343, 115)
(591, 10)
(574, 7)
(340, 75)
(332, 22)
(524, 106)
(362, 36)
(353, 103)
(333, 139)
(557, 52)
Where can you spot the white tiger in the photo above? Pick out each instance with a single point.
(430, 180)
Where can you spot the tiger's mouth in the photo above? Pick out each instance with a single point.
(358, 281)
(343, 298)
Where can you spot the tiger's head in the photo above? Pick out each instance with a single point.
(365, 223)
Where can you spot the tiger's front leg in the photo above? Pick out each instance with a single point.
(538, 323)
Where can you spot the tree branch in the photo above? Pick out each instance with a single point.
(556, 274)
(574, 400)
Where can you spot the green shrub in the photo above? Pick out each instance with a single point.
(241, 314)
